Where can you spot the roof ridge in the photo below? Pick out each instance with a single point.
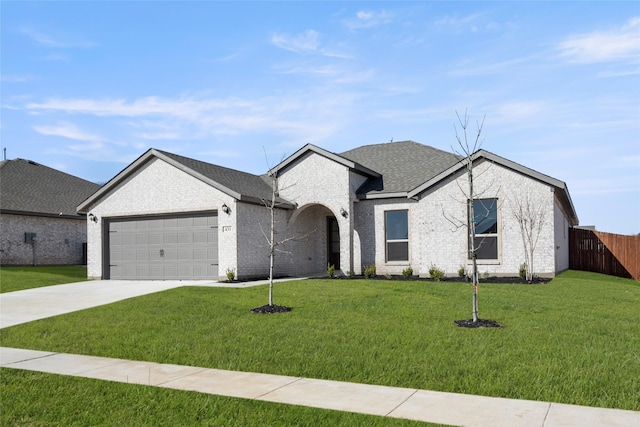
(207, 163)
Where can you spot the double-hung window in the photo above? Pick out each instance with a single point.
(396, 224)
(485, 218)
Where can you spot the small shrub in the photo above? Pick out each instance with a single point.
(523, 271)
(231, 274)
(388, 276)
(407, 272)
(370, 271)
(462, 272)
(485, 275)
(350, 274)
(436, 273)
(331, 270)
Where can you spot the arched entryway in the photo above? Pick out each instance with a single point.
(317, 240)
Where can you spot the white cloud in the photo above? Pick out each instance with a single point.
(59, 41)
(368, 19)
(463, 69)
(616, 44)
(67, 130)
(300, 43)
(295, 115)
(184, 108)
(15, 78)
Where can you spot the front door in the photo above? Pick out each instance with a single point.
(333, 242)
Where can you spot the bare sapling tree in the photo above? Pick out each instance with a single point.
(469, 147)
(480, 209)
(271, 237)
(531, 218)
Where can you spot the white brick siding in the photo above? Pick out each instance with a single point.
(253, 230)
(323, 188)
(442, 215)
(159, 188)
(316, 180)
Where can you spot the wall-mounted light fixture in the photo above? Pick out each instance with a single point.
(93, 218)
(226, 209)
(343, 213)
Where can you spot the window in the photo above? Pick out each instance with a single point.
(485, 216)
(396, 224)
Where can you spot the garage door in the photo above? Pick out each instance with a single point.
(159, 248)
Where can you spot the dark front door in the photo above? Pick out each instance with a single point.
(333, 242)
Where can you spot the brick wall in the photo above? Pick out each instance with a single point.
(314, 181)
(253, 233)
(155, 188)
(59, 241)
(442, 212)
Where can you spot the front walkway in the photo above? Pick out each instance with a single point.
(420, 405)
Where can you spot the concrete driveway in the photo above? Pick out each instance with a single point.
(38, 303)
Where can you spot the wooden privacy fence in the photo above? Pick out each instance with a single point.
(607, 253)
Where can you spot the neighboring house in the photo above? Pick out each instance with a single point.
(394, 205)
(39, 223)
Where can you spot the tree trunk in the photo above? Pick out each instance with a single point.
(272, 243)
(472, 240)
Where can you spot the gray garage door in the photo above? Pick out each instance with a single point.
(173, 247)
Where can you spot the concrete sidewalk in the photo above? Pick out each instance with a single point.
(419, 405)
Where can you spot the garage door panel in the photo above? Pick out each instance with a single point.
(170, 255)
(184, 247)
(156, 238)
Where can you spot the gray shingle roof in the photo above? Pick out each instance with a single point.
(29, 187)
(403, 165)
(243, 183)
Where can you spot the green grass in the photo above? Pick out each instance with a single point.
(575, 340)
(37, 399)
(20, 278)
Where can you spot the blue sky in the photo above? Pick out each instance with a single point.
(87, 87)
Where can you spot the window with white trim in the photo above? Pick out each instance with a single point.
(485, 217)
(396, 224)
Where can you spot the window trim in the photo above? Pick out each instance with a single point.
(495, 235)
(387, 241)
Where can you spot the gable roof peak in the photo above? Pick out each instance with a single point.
(242, 186)
(310, 148)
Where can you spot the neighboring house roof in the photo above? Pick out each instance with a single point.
(29, 188)
(242, 186)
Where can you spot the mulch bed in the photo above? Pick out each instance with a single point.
(271, 309)
(493, 279)
(480, 323)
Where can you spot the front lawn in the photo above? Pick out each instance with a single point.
(20, 278)
(575, 340)
(38, 399)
